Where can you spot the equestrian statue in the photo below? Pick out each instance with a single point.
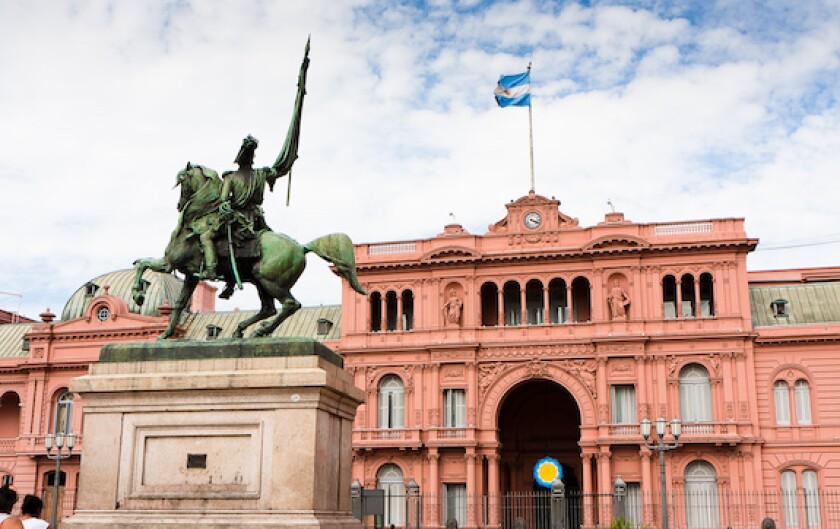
(221, 234)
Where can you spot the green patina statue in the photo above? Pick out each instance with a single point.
(221, 234)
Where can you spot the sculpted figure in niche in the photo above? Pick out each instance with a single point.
(619, 301)
(452, 309)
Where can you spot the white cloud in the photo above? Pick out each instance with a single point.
(669, 113)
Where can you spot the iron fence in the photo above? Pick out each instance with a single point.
(686, 510)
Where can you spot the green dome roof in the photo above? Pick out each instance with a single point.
(161, 287)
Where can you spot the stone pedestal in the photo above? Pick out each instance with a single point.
(215, 435)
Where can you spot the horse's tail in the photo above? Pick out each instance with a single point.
(337, 248)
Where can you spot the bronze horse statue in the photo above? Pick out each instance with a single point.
(279, 265)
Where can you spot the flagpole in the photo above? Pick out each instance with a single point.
(531, 129)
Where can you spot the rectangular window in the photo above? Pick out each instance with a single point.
(623, 400)
(455, 503)
(454, 408)
(634, 504)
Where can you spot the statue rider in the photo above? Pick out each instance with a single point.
(241, 212)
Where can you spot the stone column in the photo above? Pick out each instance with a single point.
(697, 311)
(588, 490)
(678, 282)
(500, 293)
(493, 492)
(546, 304)
(472, 497)
(647, 485)
(434, 487)
(383, 314)
(399, 312)
(472, 394)
(570, 304)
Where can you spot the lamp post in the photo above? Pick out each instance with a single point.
(61, 438)
(658, 444)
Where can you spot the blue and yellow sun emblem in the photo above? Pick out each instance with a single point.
(546, 471)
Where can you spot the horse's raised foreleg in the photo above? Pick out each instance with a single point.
(290, 306)
(138, 289)
(183, 302)
(266, 311)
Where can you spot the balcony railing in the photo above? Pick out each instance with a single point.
(386, 437)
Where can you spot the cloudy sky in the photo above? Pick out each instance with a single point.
(673, 110)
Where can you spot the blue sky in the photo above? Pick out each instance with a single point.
(673, 110)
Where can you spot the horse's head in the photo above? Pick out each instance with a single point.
(187, 180)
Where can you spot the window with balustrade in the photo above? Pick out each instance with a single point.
(623, 404)
(391, 402)
(454, 408)
(695, 395)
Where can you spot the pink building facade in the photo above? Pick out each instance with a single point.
(483, 354)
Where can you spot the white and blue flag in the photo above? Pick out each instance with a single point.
(514, 90)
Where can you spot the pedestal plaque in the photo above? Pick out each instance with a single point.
(215, 435)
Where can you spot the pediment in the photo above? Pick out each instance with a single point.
(448, 253)
(616, 242)
(550, 218)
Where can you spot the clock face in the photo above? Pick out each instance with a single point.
(533, 220)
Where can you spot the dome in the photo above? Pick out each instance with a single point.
(162, 287)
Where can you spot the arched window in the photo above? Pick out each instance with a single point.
(390, 479)
(702, 506)
(669, 297)
(695, 394)
(534, 302)
(792, 502)
(391, 311)
(408, 310)
(489, 305)
(689, 303)
(10, 416)
(62, 412)
(391, 403)
(513, 303)
(790, 505)
(782, 402)
(558, 306)
(707, 295)
(812, 498)
(802, 399)
(580, 300)
(375, 312)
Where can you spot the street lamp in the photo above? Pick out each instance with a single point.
(658, 444)
(62, 437)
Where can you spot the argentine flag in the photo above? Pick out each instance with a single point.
(514, 90)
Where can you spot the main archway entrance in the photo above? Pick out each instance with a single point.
(538, 418)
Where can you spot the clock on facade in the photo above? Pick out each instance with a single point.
(533, 220)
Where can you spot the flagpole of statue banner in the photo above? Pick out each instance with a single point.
(531, 131)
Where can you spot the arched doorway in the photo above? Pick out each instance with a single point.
(538, 418)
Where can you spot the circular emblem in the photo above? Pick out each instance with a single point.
(546, 471)
(103, 313)
(533, 220)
